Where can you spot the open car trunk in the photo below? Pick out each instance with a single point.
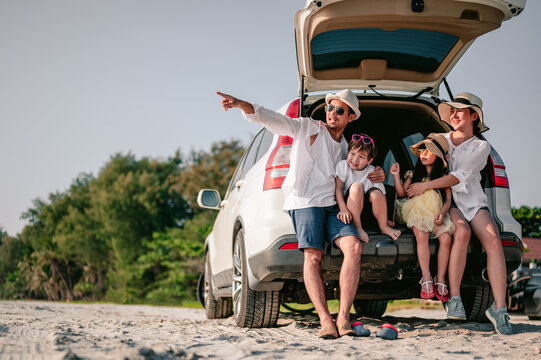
(390, 45)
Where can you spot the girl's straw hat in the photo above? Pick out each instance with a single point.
(436, 144)
(462, 101)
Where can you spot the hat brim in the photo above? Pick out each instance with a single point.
(444, 109)
(355, 108)
(430, 146)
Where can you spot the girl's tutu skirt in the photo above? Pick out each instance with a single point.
(420, 212)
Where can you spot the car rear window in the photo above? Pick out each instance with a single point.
(408, 49)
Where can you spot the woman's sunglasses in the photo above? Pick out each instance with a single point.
(365, 139)
(338, 109)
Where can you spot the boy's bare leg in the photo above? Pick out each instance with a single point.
(355, 206)
(379, 208)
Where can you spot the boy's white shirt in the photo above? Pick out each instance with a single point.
(308, 183)
(465, 163)
(350, 176)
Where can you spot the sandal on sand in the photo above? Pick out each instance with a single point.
(328, 332)
(344, 329)
(440, 296)
(426, 294)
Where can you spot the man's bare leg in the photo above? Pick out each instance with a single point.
(349, 274)
(314, 284)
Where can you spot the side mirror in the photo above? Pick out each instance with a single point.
(209, 199)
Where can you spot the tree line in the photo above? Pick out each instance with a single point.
(131, 234)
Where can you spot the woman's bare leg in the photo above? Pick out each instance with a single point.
(487, 232)
(459, 251)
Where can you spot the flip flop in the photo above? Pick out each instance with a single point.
(359, 329)
(387, 332)
(426, 294)
(441, 297)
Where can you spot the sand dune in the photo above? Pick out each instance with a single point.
(47, 330)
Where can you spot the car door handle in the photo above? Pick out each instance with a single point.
(239, 184)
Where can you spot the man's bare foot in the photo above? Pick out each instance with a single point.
(362, 235)
(393, 233)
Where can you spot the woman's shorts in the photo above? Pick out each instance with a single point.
(315, 224)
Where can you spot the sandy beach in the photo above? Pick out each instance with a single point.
(48, 330)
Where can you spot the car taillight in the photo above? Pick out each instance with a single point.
(511, 243)
(290, 246)
(278, 164)
(498, 170)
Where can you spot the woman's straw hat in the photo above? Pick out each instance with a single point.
(462, 101)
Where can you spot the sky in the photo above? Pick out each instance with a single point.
(83, 80)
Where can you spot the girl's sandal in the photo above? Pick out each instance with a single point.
(440, 296)
(426, 294)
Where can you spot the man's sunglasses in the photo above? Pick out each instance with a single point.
(338, 109)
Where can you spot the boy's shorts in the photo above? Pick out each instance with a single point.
(315, 224)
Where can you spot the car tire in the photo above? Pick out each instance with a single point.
(215, 307)
(200, 292)
(370, 308)
(476, 301)
(252, 309)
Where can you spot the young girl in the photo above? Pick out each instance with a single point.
(352, 184)
(427, 214)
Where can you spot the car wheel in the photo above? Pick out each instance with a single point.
(201, 289)
(215, 307)
(370, 308)
(252, 309)
(476, 300)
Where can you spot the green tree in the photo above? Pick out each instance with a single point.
(131, 199)
(12, 251)
(211, 170)
(530, 219)
(169, 269)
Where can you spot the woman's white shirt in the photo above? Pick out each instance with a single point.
(465, 163)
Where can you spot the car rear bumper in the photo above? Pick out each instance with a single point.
(383, 260)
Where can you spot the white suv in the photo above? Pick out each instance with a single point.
(395, 54)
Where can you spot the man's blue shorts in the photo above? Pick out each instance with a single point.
(315, 224)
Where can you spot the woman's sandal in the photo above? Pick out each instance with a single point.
(426, 294)
(440, 296)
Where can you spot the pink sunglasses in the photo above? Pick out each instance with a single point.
(365, 139)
